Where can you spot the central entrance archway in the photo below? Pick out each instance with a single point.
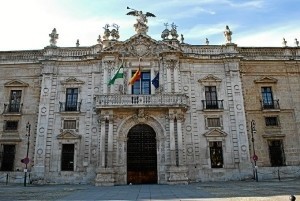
(141, 155)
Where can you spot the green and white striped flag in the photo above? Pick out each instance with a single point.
(118, 74)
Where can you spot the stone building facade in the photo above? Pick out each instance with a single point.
(185, 120)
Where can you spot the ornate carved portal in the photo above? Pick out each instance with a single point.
(141, 155)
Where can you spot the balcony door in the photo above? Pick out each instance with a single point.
(141, 155)
(15, 101)
(71, 99)
(143, 85)
(211, 98)
(267, 97)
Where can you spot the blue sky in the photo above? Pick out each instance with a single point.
(26, 24)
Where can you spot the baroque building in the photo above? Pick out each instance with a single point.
(176, 113)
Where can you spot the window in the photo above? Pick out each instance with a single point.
(15, 101)
(211, 100)
(213, 122)
(11, 125)
(67, 157)
(276, 153)
(69, 124)
(271, 121)
(267, 97)
(143, 85)
(216, 154)
(7, 158)
(71, 99)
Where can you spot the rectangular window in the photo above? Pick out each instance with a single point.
(69, 124)
(7, 158)
(216, 154)
(71, 99)
(15, 101)
(11, 125)
(267, 98)
(271, 121)
(276, 153)
(213, 122)
(211, 99)
(67, 157)
(143, 85)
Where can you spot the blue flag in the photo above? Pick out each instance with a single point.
(155, 81)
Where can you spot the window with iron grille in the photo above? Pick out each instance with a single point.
(276, 153)
(216, 154)
(213, 122)
(7, 157)
(11, 125)
(271, 121)
(67, 157)
(69, 124)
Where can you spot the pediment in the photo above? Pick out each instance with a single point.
(16, 83)
(210, 78)
(266, 80)
(140, 45)
(68, 135)
(215, 133)
(72, 81)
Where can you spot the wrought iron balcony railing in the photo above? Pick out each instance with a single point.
(157, 100)
(270, 105)
(212, 104)
(13, 108)
(69, 107)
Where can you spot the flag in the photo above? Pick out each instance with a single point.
(118, 74)
(155, 81)
(135, 77)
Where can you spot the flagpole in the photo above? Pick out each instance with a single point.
(141, 74)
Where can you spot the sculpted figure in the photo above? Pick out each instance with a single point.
(53, 38)
(227, 34)
(141, 25)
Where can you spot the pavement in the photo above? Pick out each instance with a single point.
(205, 191)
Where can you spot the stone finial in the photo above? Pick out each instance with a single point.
(53, 38)
(182, 38)
(174, 31)
(227, 34)
(99, 40)
(296, 42)
(166, 32)
(77, 43)
(206, 41)
(284, 42)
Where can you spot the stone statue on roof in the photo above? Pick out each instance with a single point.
(53, 38)
(227, 34)
(141, 25)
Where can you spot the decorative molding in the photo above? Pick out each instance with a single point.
(266, 80)
(215, 133)
(16, 83)
(210, 79)
(68, 135)
(72, 81)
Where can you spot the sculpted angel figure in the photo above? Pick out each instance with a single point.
(141, 17)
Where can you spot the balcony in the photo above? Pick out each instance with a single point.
(270, 105)
(137, 101)
(69, 107)
(13, 108)
(212, 104)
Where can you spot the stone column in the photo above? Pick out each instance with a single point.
(179, 138)
(172, 140)
(110, 143)
(102, 143)
(176, 78)
(169, 81)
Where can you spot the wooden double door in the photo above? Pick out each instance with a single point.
(141, 155)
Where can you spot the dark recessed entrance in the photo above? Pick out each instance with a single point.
(141, 155)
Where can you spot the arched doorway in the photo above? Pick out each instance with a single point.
(141, 155)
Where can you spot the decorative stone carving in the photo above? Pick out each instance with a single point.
(173, 31)
(227, 34)
(166, 32)
(296, 42)
(115, 32)
(106, 32)
(206, 41)
(77, 43)
(53, 38)
(284, 42)
(141, 25)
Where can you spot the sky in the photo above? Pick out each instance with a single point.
(26, 24)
